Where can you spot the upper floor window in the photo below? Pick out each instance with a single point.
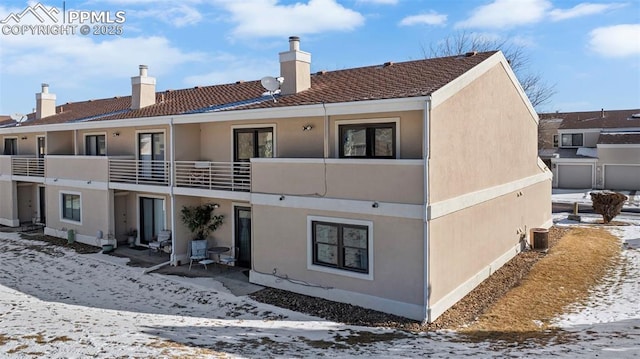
(572, 140)
(10, 146)
(95, 145)
(374, 140)
(555, 140)
(252, 143)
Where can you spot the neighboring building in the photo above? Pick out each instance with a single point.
(598, 149)
(397, 187)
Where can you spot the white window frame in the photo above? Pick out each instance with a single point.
(339, 123)
(84, 147)
(337, 271)
(150, 130)
(61, 199)
(561, 143)
(165, 213)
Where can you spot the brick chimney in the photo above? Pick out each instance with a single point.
(45, 103)
(295, 67)
(143, 90)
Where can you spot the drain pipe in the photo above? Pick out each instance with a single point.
(426, 154)
(171, 195)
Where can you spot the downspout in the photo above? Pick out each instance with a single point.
(75, 142)
(172, 198)
(326, 131)
(426, 153)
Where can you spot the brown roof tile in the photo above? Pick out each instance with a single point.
(619, 138)
(594, 119)
(403, 79)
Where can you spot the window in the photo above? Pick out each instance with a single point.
(71, 207)
(10, 146)
(95, 145)
(252, 143)
(555, 140)
(368, 140)
(572, 140)
(340, 245)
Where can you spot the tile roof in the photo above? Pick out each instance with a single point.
(620, 138)
(594, 119)
(389, 81)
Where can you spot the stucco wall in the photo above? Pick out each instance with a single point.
(280, 244)
(81, 168)
(481, 138)
(618, 155)
(94, 215)
(187, 142)
(8, 203)
(60, 143)
(464, 242)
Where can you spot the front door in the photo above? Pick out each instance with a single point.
(151, 218)
(42, 208)
(243, 236)
(151, 156)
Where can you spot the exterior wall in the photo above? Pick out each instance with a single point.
(5, 165)
(398, 181)
(8, 204)
(546, 130)
(60, 143)
(281, 246)
(78, 168)
(589, 136)
(95, 214)
(622, 155)
(125, 143)
(481, 138)
(27, 146)
(465, 245)
(187, 142)
(290, 141)
(410, 131)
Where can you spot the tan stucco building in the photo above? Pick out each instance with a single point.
(399, 195)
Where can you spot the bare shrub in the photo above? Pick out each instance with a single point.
(608, 204)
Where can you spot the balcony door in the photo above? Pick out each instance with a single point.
(151, 156)
(250, 143)
(10, 146)
(41, 146)
(152, 213)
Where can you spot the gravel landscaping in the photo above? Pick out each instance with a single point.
(465, 311)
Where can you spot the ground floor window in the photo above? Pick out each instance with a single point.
(71, 206)
(341, 244)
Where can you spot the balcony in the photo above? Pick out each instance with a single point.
(27, 166)
(385, 180)
(222, 176)
(140, 172)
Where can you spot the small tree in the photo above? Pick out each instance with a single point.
(608, 204)
(201, 220)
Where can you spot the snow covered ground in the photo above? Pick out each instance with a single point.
(571, 196)
(56, 303)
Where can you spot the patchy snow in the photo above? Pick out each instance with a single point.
(56, 303)
(582, 197)
(587, 152)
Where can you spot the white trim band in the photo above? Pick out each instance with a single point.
(442, 208)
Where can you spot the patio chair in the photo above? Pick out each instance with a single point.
(229, 260)
(161, 243)
(199, 253)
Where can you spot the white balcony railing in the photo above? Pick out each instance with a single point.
(27, 166)
(142, 172)
(225, 176)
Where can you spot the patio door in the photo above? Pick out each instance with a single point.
(151, 156)
(250, 143)
(41, 146)
(151, 218)
(42, 208)
(242, 229)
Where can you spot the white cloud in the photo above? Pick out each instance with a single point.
(179, 15)
(432, 18)
(583, 9)
(506, 14)
(616, 41)
(231, 68)
(266, 18)
(378, 2)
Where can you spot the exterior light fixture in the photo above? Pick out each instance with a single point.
(307, 128)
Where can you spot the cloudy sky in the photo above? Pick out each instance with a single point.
(590, 51)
